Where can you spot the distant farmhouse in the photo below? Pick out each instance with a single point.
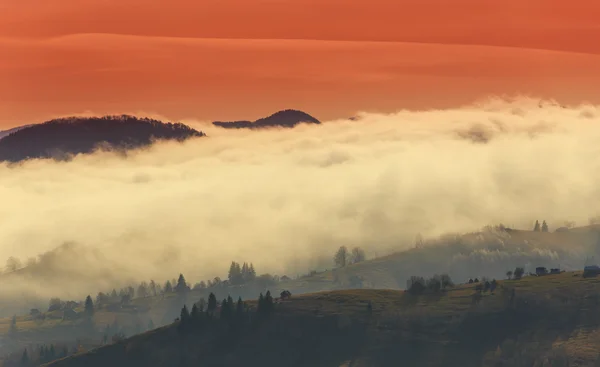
(591, 271)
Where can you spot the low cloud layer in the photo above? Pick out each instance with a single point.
(286, 199)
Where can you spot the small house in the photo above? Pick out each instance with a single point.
(591, 271)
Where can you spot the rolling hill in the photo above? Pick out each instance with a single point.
(490, 253)
(535, 321)
(285, 118)
(66, 137)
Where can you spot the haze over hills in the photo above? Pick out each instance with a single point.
(544, 320)
(66, 137)
(285, 118)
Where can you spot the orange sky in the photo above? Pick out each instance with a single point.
(229, 59)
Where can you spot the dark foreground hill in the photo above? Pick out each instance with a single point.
(66, 137)
(285, 118)
(551, 320)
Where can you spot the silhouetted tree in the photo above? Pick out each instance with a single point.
(341, 257)
(12, 329)
(101, 298)
(168, 287)
(195, 314)
(493, 285)
(185, 315)
(260, 309)
(235, 274)
(224, 310)
(486, 286)
(25, 358)
(239, 309)
(269, 305)
(509, 274)
(89, 307)
(212, 304)
(544, 226)
(181, 286)
(416, 285)
(434, 284)
(536, 227)
(152, 288)
(200, 286)
(518, 273)
(55, 304)
(251, 273)
(358, 255)
(143, 290)
(201, 304)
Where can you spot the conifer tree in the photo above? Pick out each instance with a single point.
(195, 312)
(239, 309)
(230, 305)
(536, 227)
(25, 358)
(245, 271)
(544, 226)
(212, 304)
(261, 304)
(181, 286)
(251, 273)
(224, 309)
(185, 314)
(89, 306)
(168, 287)
(268, 302)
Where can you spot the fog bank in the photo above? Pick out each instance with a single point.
(286, 199)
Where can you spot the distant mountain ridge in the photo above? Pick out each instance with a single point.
(5, 133)
(286, 118)
(66, 137)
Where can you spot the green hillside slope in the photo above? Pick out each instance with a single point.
(536, 321)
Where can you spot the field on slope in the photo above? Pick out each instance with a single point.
(529, 322)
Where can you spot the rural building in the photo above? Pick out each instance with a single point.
(591, 271)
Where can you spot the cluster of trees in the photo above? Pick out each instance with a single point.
(344, 257)
(418, 285)
(516, 274)
(543, 228)
(486, 285)
(36, 356)
(241, 274)
(228, 311)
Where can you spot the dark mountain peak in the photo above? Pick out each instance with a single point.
(285, 118)
(65, 137)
